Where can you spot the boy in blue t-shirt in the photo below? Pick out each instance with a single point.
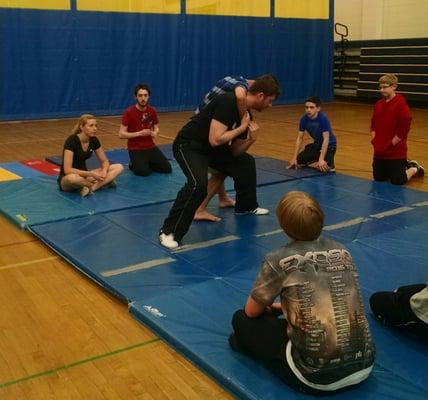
(323, 149)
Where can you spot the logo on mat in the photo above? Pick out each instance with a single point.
(154, 311)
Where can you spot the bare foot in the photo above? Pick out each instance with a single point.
(226, 202)
(205, 216)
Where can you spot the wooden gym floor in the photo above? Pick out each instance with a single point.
(64, 337)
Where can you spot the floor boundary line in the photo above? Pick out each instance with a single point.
(77, 363)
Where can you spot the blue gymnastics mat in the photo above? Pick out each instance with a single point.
(188, 296)
(38, 200)
(21, 170)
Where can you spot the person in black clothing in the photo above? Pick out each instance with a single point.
(405, 308)
(217, 137)
(78, 147)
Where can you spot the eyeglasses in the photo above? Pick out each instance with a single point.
(384, 86)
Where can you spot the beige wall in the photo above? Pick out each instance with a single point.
(382, 19)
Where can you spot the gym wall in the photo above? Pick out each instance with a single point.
(383, 19)
(67, 57)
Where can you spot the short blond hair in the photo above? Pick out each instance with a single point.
(300, 216)
(388, 79)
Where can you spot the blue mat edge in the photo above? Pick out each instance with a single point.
(228, 384)
(93, 277)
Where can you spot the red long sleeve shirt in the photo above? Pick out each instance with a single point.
(391, 119)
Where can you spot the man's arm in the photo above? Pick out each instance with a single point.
(241, 100)
(124, 134)
(299, 140)
(240, 146)
(104, 162)
(403, 126)
(68, 167)
(155, 130)
(322, 165)
(219, 134)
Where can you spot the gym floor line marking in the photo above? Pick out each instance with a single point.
(21, 264)
(357, 220)
(421, 204)
(344, 224)
(208, 243)
(139, 266)
(167, 260)
(276, 231)
(77, 363)
(18, 243)
(394, 211)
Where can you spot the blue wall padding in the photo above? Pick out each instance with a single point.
(21, 170)
(59, 54)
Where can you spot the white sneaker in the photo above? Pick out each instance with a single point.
(256, 211)
(168, 241)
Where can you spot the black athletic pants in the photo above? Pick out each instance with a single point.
(393, 170)
(393, 309)
(195, 166)
(265, 339)
(144, 162)
(311, 154)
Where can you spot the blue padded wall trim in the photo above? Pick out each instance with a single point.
(80, 62)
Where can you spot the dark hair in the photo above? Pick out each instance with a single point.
(140, 86)
(314, 99)
(300, 216)
(267, 84)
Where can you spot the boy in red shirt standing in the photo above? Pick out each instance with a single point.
(390, 126)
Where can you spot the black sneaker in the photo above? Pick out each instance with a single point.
(420, 169)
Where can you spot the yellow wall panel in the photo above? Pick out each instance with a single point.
(307, 9)
(241, 8)
(36, 4)
(134, 6)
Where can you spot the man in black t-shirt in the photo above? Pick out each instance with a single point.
(217, 137)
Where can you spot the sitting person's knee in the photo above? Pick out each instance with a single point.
(117, 168)
(141, 171)
(167, 169)
(399, 180)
